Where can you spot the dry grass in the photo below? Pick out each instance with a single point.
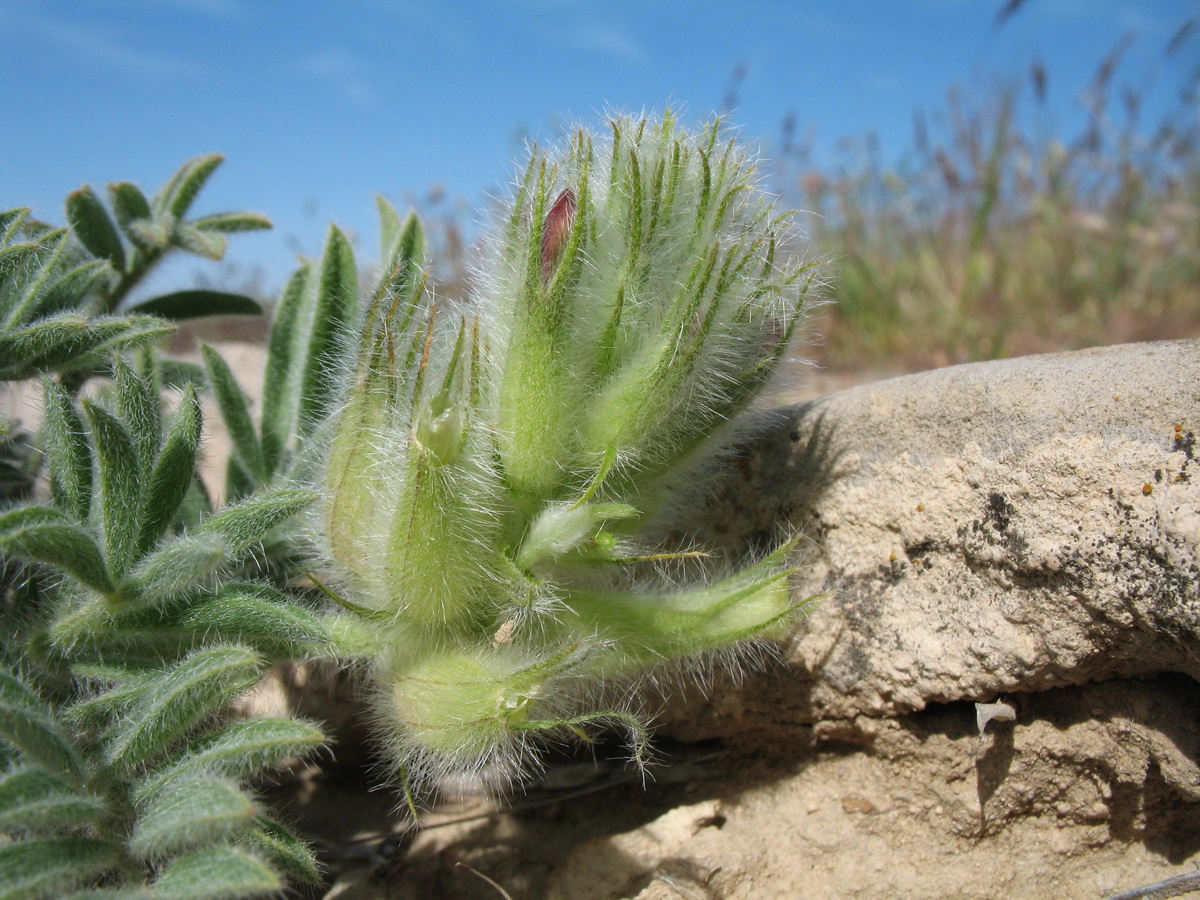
(999, 240)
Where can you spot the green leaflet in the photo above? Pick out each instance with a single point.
(250, 521)
(235, 411)
(172, 472)
(228, 223)
(276, 628)
(44, 535)
(140, 410)
(27, 724)
(68, 452)
(239, 750)
(195, 304)
(52, 866)
(36, 801)
(220, 873)
(290, 856)
(190, 812)
(286, 358)
(119, 487)
(328, 332)
(94, 228)
(69, 341)
(176, 196)
(173, 705)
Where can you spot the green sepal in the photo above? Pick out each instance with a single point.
(172, 476)
(643, 628)
(190, 812)
(95, 230)
(28, 725)
(195, 304)
(119, 487)
(235, 411)
(35, 801)
(220, 873)
(44, 535)
(171, 706)
(49, 867)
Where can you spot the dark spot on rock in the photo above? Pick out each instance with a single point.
(999, 511)
(1186, 443)
(920, 550)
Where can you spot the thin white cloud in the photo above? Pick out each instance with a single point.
(342, 71)
(591, 36)
(107, 47)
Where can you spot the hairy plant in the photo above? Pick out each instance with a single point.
(499, 475)
(133, 615)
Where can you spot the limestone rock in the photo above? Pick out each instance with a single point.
(1000, 526)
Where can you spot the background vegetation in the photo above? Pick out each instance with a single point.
(991, 237)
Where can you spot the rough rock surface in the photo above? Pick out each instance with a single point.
(1001, 526)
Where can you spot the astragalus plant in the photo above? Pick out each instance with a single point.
(131, 614)
(501, 474)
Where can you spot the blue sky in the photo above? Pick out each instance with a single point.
(319, 106)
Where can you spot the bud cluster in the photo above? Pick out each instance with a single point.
(495, 471)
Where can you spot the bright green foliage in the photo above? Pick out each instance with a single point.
(45, 288)
(315, 327)
(132, 777)
(132, 615)
(61, 288)
(501, 476)
(129, 792)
